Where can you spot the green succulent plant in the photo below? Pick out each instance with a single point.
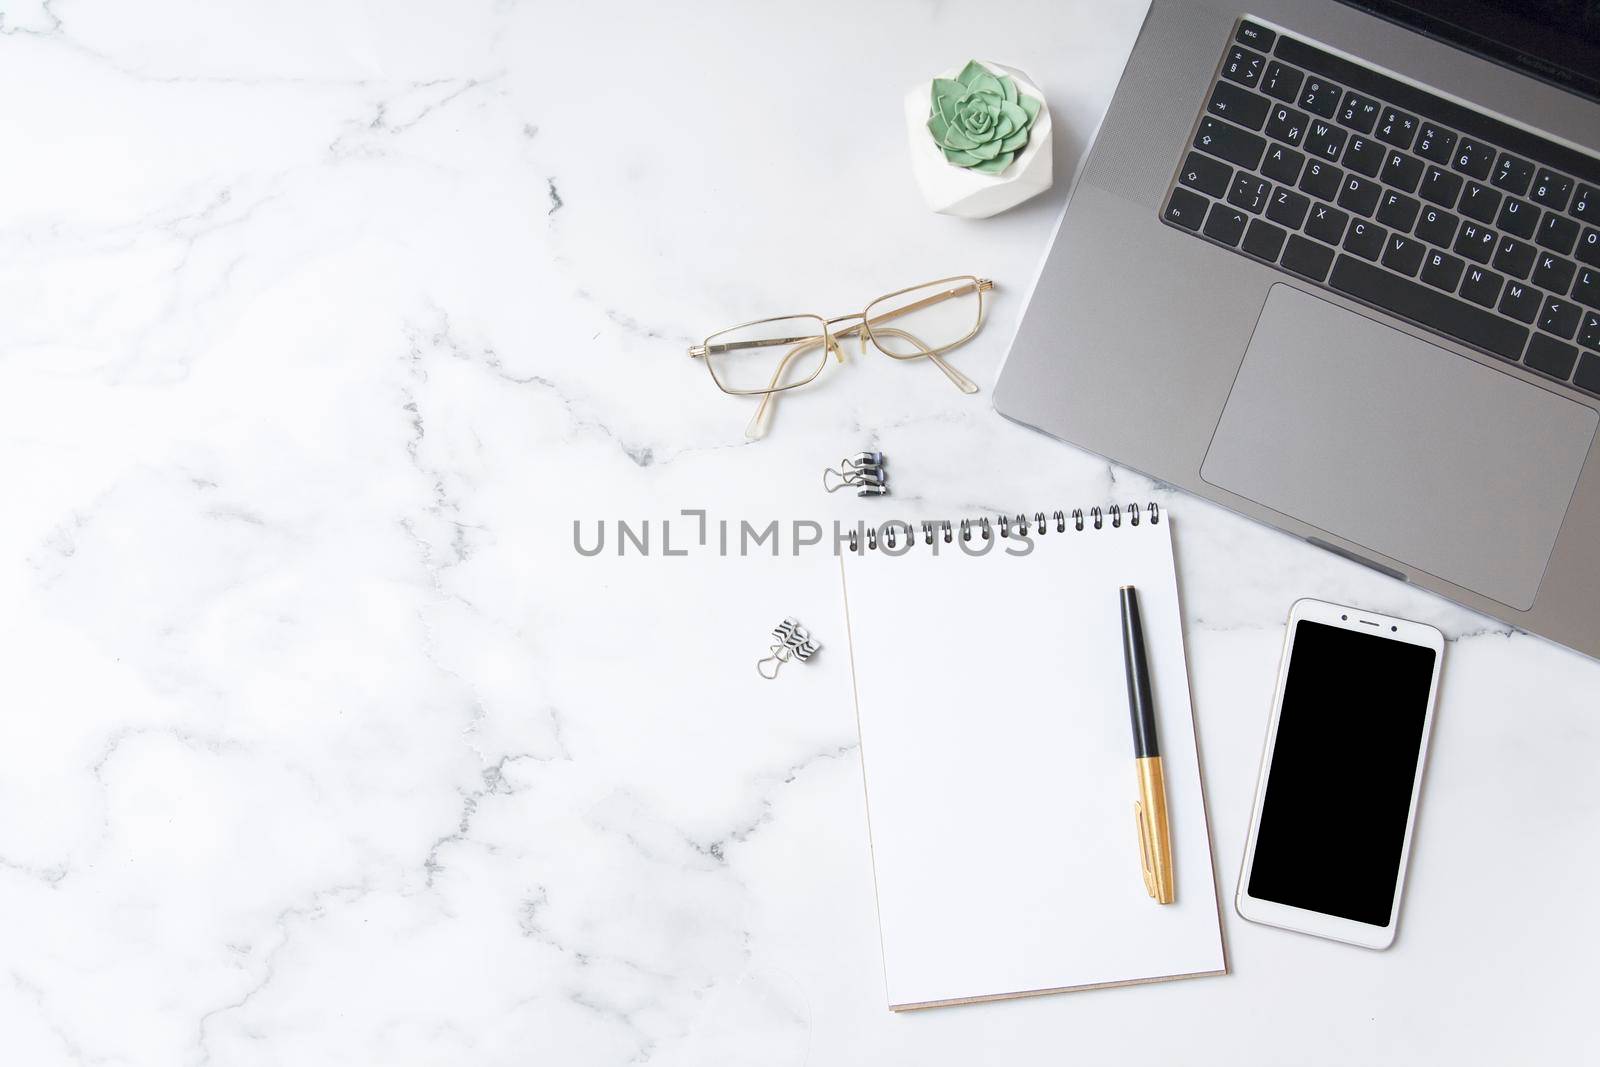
(979, 119)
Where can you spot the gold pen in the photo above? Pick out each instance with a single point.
(1150, 810)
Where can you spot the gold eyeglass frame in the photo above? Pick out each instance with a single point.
(870, 328)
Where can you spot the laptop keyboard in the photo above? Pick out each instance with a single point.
(1402, 200)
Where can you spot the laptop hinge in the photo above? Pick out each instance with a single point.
(1352, 557)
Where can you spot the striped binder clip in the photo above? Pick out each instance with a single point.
(863, 472)
(790, 641)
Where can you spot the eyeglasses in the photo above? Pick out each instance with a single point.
(771, 356)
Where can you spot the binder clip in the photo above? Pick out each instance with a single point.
(864, 472)
(790, 641)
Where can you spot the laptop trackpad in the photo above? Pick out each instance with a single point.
(1401, 446)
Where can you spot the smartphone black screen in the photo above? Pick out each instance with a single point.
(1333, 820)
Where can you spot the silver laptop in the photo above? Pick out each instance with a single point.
(1337, 267)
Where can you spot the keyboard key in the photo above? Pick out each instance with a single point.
(1441, 187)
(1429, 307)
(1359, 195)
(1588, 374)
(1403, 253)
(1476, 242)
(1586, 204)
(1402, 171)
(1358, 112)
(1228, 101)
(1512, 174)
(1560, 316)
(1206, 174)
(1186, 209)
(1481, 286)
(1255, 35)
(1518, 217)
(1288, 208)
(1307, 258)
(1549, 356)
(1326, 140)
(1472, 157)
(1326, 223)
(1443, 270)
(1282, 164)
(1551, 189)
(1364, 156)
(1587, 287)
(1437, 227)
(1589, 330)
(1397, 128)
(1243, 66)
(1514, 257)
(1239, 147)
(1436, 143)
(1249, 192)
(1521, 302)
(1282, 82)
(1479, 202)
(1287, 124)
(1321, 179)
(1557, 233)
(1264, 240)
(1553, 273)
(1321, 97)
(1398, 210)
(1589, 246)
(1225, 224)
(1365, 239)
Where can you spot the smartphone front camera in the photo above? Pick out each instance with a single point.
(1395, 629)
(1344, 618)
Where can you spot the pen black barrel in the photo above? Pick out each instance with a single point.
(1141, 705)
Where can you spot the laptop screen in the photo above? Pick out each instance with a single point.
(1557, 41)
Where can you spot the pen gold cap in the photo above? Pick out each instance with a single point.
(1155, 834)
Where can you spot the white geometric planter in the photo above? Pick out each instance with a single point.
(961, 191)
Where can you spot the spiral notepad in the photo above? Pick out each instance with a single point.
(998, 760)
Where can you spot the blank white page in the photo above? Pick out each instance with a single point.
(998, 755)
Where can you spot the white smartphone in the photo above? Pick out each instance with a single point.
(1336, 800)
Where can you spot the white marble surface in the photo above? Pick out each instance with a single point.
(320, 744)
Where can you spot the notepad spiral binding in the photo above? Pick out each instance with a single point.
(1113, 515)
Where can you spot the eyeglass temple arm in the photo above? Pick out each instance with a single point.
(959, 380)
(736, 346)
(757, 426)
